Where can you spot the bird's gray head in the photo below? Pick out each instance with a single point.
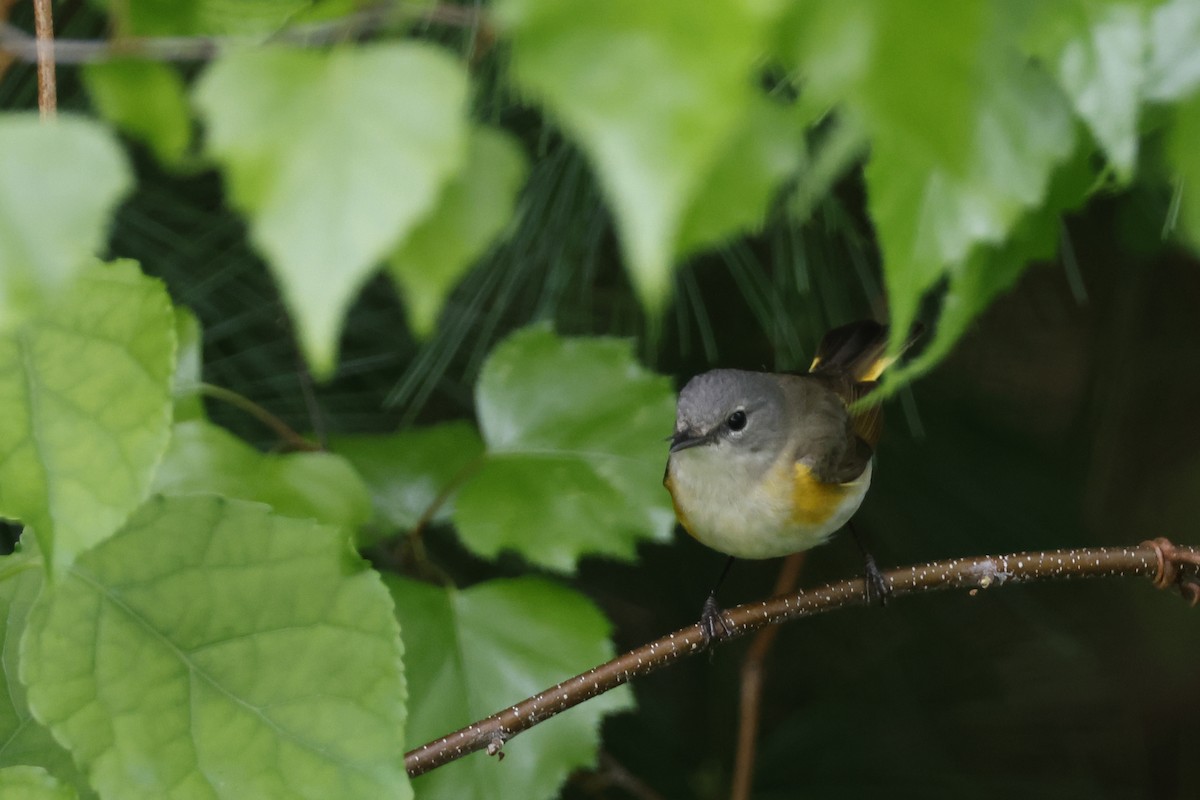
(731, 410)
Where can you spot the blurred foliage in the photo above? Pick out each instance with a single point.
(720, 187)
(33, 783)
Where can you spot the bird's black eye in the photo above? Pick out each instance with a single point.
(737, 420)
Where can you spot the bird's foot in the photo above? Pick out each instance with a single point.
(714, 624)
(875, 588)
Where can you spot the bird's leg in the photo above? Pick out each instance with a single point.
(876, 588)
(712, 617)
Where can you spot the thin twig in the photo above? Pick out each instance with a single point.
(293, 440)
(43, 24)
(1153, 559)
(447, 491)
(752, 680)
(411, 540)
(612, 773)
(23, 47)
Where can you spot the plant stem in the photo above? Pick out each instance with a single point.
(411, 540)
(452, 486)
(294, 440)
(43, 22)
(752, 680)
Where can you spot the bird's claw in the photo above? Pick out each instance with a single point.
(875, 588)
(714, 624)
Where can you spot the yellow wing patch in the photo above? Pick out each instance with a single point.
(814, 502)
(875, 369)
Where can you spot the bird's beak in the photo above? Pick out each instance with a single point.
(682, 440)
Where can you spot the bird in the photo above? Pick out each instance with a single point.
(765, 464)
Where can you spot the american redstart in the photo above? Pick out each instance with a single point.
(766, 464)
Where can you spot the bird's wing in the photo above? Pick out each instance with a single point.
(827, 438)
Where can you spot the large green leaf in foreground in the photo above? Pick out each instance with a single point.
(652, 91)
(206, 458)
(474, 652)
(86, 393)
(951, 169)
(574, 432)
(23, 741)
(736, 194)
(52, 220)
(212, 649)
(334, 157)
(992, 270)
(1097, 51)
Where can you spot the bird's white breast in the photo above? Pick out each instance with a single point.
(747, 513)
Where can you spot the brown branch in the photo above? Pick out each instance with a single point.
(43, 23)
(752, 680)
(1158, 560)
(20, 46)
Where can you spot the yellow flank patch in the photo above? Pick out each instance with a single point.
(814, 502)
(679, 515)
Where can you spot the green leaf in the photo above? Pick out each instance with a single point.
(574, 431)
(87, 397)
(928, 218)
(205, 458)
(32, 783)
(334, 157)
(248, 17)
(154, 17)
(204, 17)
(145, 99)
(1097, 49)
(881, 59)
(189, 368)
(213, 649)
(477, 651)
(652, 92)
(1173, 68)
(473, 210)
(24, 740)
(408, 471)
(950, 169)
(51, 222)
(736, 196)
(992, 270)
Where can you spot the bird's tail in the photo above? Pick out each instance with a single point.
(857, 351)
